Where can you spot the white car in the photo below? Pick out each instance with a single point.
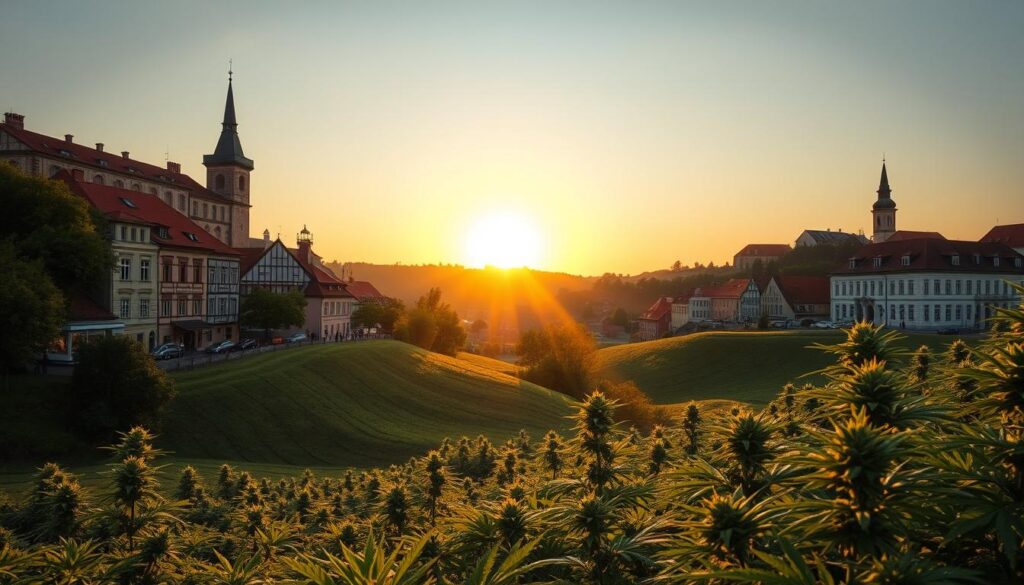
(825, 325)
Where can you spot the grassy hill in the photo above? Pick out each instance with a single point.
(349, 404)
(733, 365)
(326, 407)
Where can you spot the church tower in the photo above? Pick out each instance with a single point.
(883, 212)
(227, 172)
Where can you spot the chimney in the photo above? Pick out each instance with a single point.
(266, 239)
(124, 154)
(69, 138)
(174, 167)
(99, 146)
(78, 174)
(14, 120)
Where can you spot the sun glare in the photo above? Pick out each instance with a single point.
(505, 240)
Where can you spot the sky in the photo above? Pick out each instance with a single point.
(627, 135)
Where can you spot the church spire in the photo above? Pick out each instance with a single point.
(884, 192)
(229, 147)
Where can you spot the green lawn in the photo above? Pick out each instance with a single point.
(327, 407)
(744, 366)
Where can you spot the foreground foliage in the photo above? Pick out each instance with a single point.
(897, 470)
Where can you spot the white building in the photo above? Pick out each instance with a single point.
(927, 284)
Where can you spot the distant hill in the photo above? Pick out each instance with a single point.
(364, 404)
(748, 367)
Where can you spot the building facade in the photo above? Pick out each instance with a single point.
(927, 284)
(738, 300)
(809, 238)
(763, 253)
(655, 323)
(1012, 235)
(223, 213)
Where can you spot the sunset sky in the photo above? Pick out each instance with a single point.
(624, 135)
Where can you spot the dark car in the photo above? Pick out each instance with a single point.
(295, 338)
(245, 344)
(168, 351)
(949, 331)
(221, 346)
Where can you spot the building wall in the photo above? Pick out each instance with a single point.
(132, 292)
(725, 309)
(747, 262)
(961, 300)
(700, 309)
(327, 317)
(774, 304)
(680, 315)
(750, 303)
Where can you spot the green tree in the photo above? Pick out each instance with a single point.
(269, 310)
(48, 223)
(560, 357)
(31, 308)
(385, 314)
(117, 386)
(432, 325)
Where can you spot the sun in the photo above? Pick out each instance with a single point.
(504, 240)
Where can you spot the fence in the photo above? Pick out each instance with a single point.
(200, 359)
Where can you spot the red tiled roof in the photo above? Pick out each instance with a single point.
(764, 250)
(933, 255)
(732, 289)
(248, 257)
(363, 291)
(903, 235)
(147, 209)
(658, 311)
(1012, 235)
(804, 290)
(321, 282)
(683, 298)
(106, 161)
(85, 309)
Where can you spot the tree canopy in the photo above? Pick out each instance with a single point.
(384, 313)
(269, 310)
(432, 325)
(31, 308)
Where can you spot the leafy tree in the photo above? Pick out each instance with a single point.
(560, 358)
(117, 385)
(269, 310)
(385, 313)
(432, 325)
(31, 307)
(46, 222)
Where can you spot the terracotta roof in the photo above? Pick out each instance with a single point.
(902, 235)
(1012, 235)
(249, 256)
(658, 311)
(85, 309)
(732, 289)
(764, 250)
(683, 298)
(363, 291)
(127, 205)
(930, 254)
(321, 282)
(804, 290)
(107, 161)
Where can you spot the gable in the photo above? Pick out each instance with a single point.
(276, 266)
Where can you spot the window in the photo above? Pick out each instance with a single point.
(872, 288)
(182, 308)
(219, 182)
(955, 259)
(988, 287)
(959, 312)
(949, 287)
(124, 233)
(927, 313)
(126, 268)
(126, 308)
(241, 182)
(905, 260)
(968, 312)
(197, 307)
(969, 287)
(197, 271)
(144, 270)
(995, 261)
(892, 288)
(206, 210)
(853, 263)
(949, 312)
(844, 288)
(195, 209)
(143, 308)
(877, 261)
(902, 291)
(903, 312)
(98, 179)
(1017, 262)
(168, 271)
(936, 289)
(938, 316)
(959, 286)
(135, 234)
(910, 287)
(910, 312)
(183, 271)
(181, 201)
(892, 312)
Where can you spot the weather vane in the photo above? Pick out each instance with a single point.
(230, 72)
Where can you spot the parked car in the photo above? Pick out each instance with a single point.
(824, 325)
(221, 346)
(948, 331)
(295, 338)
(247, 343)
(168, 351)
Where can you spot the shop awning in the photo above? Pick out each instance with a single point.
(192, 325)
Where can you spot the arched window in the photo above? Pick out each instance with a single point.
(206, 211)
(219, 182)
(181, 202)
(152, 191)
(216, 232)
(119, 184)
(168, 200)
(136, 187)
(54, 169)
(241, 182)
(98, 179)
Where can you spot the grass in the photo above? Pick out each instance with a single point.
(744, 366)
(490, 363)
(327, 407)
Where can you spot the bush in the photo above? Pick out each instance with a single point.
(117, 385)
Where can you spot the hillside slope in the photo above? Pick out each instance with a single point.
(363, 404)
(736, 365)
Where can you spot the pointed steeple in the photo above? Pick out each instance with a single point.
(229, 147)
(884, 192)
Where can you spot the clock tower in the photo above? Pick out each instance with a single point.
(227, 172)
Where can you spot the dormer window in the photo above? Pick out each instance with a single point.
(65, 153)
(995, 261)
(877, 261)
(853, 262)
(977, 258)
(1017, 262)
(103, 163)
(191, 236)
(161, 232)
(905, 260)
(955, 259)
(128, 202)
